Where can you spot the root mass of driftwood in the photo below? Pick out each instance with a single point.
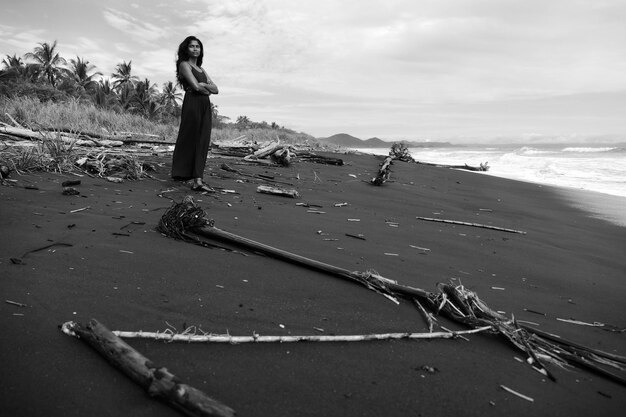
(454, 302)
(158, 381)
(384, 172)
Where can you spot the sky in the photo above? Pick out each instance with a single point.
(425, 70)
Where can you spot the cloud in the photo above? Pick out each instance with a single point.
(20, 41)
(391, 68)
(139, 30)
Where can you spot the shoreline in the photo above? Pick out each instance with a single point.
(608, 207)
(598, 204)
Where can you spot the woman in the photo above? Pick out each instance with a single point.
(194, 134)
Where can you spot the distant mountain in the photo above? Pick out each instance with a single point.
(342, 139)
(347, 141)
(376, 143)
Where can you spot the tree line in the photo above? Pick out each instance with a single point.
(44, 73)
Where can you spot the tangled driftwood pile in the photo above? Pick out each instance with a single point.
(273, 153)
(64, 150)
(118, 155)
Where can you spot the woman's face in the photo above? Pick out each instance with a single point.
(194, 48)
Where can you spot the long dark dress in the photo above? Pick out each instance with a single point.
(194, 134)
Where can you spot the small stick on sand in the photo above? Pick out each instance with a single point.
(359, 236)
(277, 191)
(15, 303)
(429, 317)
(507, 389)
(484, 226)
(582, 323)
(80, 209)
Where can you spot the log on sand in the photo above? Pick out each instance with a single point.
(267, 189)
(158, 381)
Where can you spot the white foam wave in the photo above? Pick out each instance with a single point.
(527, 150)
(588, 149)
(602, 171)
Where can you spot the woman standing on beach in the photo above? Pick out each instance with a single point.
(194, 134)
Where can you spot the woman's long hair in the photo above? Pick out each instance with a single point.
(183, 53)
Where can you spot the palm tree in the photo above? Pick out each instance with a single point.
(13, 67)
(126, 97)
(145, 94)
(12, 62)
(242, 122)
(104, 96)
(105, 86)
(170, 95)
(47, 60)
(147, 88)
(152, 110)
(122, 75)
(80, 69)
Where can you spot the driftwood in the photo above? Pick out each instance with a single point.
(265, 151)
(484, 226)
(228, 151)
(125, 137)
(482, 167)
(283, 156)
(22, 133)
(266, 189)
(83, 138)
(67, 137)
(384, 172)
(158, 381)
(191, 337)
(279, 154)
(237, 147)
(455, 302)
(401, 152)
(319, 159)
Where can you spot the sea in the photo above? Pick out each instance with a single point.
(596, 168)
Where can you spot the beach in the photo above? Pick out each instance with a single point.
(98, 255)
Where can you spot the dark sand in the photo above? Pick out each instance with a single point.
(568, 265)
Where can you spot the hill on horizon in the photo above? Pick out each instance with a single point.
(349, 141)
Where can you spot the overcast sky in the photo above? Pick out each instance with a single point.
(455, 70)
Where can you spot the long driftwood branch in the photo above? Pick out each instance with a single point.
(484, 166)
(158, 381)
(83, 137)
(69, 137)
(255, 338)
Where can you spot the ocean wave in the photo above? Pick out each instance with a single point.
(528, 150)
(583, 149)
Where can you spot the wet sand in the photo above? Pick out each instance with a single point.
(117, 268)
